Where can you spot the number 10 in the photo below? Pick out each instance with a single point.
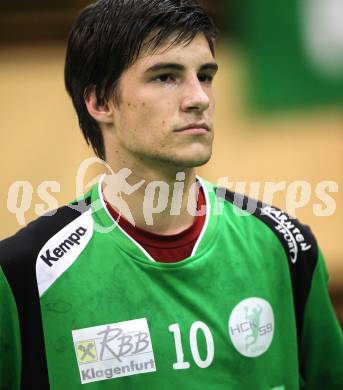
(198, 325)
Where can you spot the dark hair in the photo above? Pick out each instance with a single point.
(107, 38)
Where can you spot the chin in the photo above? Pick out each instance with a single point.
(181, 159)
(193, 161)
(196, 157)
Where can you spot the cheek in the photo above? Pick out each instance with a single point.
(148, 114)
(157, 114)
(139, 123)
(212, 100)
(213, 106)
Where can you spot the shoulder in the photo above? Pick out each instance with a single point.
(297, 239)
(18, 253)
(28, 241)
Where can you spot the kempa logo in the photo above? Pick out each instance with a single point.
(115, 350)
(251, 326)
(64, 247)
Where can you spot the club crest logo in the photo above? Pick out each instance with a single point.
(251, 326)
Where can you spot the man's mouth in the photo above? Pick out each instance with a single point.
(195, 129)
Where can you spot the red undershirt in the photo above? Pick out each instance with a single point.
(166, 249)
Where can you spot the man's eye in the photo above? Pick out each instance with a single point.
(165, 78)
(205, 78)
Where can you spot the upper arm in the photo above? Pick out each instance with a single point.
(321, 351)
(10, 350)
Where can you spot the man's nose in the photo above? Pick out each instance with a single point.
(195, 97)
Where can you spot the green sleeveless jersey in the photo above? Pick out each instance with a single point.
(83, 306)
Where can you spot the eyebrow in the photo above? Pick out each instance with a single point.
(178, 67)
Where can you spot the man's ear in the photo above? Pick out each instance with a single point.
(102, 113)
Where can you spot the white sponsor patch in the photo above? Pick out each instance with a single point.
(61, 251)
(114, 350)
(251, 326)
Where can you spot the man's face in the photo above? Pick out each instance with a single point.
(161, 94)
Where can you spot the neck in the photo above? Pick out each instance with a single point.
(161, 200)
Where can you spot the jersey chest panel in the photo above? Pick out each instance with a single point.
(201, 316)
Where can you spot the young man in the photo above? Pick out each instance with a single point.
(116, 292)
